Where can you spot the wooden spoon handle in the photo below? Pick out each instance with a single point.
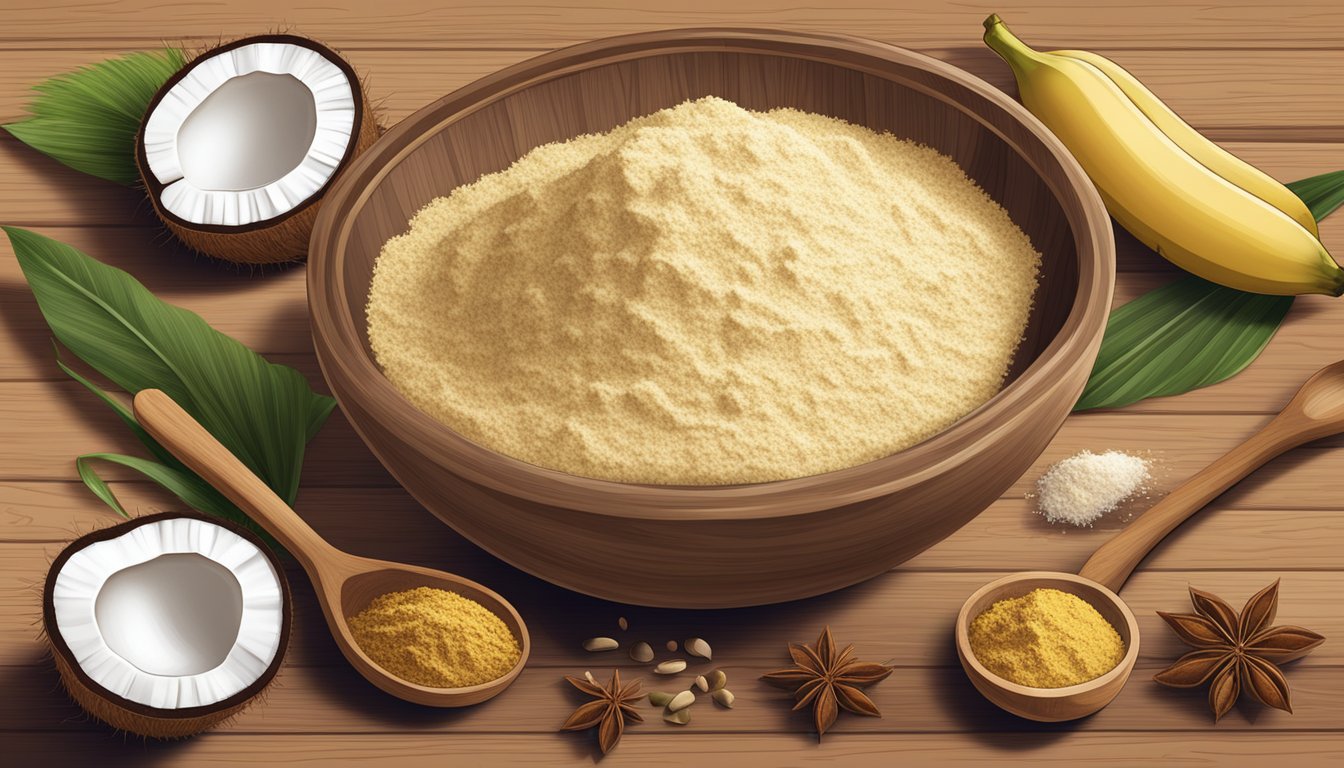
(1112, 563)
(186, 439)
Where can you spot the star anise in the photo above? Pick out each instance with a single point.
(1237, 652)
(612, 704)
(829, 681)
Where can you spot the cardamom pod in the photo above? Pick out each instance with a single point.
(670, 667)
(680, 717)
(717, 679)
(681, 701)
(659, 698)
(641, 652)
(697, 647)
(596, 644)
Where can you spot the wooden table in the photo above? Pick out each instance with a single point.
(1261, 77)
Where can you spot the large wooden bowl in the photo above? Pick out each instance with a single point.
(718, 546)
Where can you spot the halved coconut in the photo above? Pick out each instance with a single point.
(167, 624)
(238, 147)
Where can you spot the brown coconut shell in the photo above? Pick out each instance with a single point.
(285, 237)
(133, 716)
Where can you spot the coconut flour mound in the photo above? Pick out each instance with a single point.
(706, 295)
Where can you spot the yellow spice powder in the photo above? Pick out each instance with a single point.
(706, 295)
(436, 638)
(1045, 639)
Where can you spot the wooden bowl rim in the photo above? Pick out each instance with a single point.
(334, 326)
(1119, 672)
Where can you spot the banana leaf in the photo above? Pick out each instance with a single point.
(264, 413)
(87, 119)
(1192, 333)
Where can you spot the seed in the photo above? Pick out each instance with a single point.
(717, 679)
(697, 647)
(672, 646)
(702, 683)
(680, 717)
(723, 697)
(641, 652)
(671, 667)
(622, 623)
(681, 701)
(659, 698)
(589, 677)
(595, 644)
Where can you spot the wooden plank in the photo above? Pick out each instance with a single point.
(1304, 344)
(550, 23)
(336, 458)
(652, 745)
(1180, 447)
(560, 621)
(1213, 90)
(912, 700)
(264, 309)
(1223, 539)
(335, 455)
(397, 81)
(36, 191)
(276, 324)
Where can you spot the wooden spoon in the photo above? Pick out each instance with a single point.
(345, 584)
(1316, 411)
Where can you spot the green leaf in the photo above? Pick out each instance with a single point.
(169, 472)
(1192, 333)
(122, 412)
(1322, 194)
(1182, 336)
(262, 412)
(97, 485)
(87, 119)
(181, 482)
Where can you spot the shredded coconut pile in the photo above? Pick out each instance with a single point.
(706, 295)
(1085, 486)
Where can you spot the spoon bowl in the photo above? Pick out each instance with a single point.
(1049, 704)
(345, 584)
(364, 587)
(1316, 411)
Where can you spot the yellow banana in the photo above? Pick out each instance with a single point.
(1213, 157)
(1157, 190)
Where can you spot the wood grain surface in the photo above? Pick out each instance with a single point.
(1260, 77)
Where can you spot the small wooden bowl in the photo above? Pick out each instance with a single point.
(1049, 704)
(719, 546)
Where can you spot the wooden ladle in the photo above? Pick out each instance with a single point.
(345, 584)
(1316, 411)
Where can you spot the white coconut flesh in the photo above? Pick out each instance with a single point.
(175, 613)
(249, 134)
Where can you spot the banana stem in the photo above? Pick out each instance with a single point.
(1006, 44)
